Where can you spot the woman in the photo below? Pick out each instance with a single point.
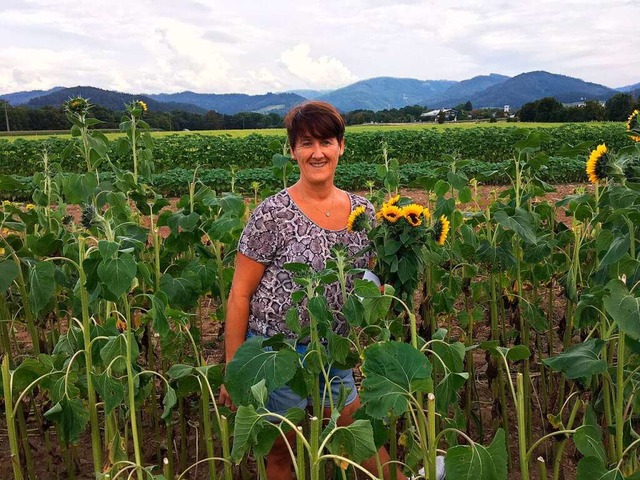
(298, 224)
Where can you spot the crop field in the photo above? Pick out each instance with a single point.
(506, 335)
(281, 131)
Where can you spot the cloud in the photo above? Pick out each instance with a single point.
(323, 72)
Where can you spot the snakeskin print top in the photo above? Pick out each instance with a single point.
(277, 233)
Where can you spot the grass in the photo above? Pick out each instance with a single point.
(281, 131)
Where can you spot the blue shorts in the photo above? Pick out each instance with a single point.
(284, 398)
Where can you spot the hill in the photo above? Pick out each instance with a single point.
(108, 99)
(19, 98)
(233, 103)
(528, 87)
(465, 90)
(385, 92)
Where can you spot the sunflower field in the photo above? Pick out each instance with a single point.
(505, 334)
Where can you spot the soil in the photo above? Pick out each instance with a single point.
(49, 459)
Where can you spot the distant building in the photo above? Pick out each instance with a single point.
(506, 109)
(450, 115)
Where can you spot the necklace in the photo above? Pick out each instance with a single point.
(327, 213)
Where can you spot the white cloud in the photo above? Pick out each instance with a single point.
(214, 46)
(322, 72)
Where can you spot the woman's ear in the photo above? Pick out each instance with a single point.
(342, 146)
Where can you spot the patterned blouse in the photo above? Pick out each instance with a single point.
(277, 233)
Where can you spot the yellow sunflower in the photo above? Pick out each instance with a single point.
(143, 105)
(633, 125)
(393, 201)
(441, 230)
(357, 220)
(391, 213)
(597, 163)
(30, 206)
(632, 121)
(412, 214)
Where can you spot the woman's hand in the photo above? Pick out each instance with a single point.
(225, 400)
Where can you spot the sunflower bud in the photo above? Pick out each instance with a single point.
(88, 216)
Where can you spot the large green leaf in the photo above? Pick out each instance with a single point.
(8, 184)
(169, 401)
(255, 430)
(617, 249)
(592, 468)
(624, 308)
(520, 222)
(78, 188)
(115, 351)
(8, 273)
(355, 441)
(252, 363)
(42, 284)
(580, 360)
(393, 371)
(476, 462)
(111, 390)
(30, 370)
(588, 437)
(118, 273)
(70, 417)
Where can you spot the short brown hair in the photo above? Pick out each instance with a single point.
(315, 119)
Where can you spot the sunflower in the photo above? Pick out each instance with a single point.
(633, 125)
(390, 213)
(441, 229)
(77, 105)
(393, 201)
(597, 164)
(412, 214)
(142, 105)
(1, 251)
(632, 121)
(30, 206)
(357, 221)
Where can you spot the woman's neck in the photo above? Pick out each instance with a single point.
(314, 192)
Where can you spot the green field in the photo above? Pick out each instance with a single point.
(378, 127)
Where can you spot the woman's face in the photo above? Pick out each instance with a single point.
(317, 158)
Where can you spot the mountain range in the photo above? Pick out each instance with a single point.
(378, 93)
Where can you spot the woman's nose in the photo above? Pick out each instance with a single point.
(317, 150)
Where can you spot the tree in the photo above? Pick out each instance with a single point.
(619, 107)
(468, 106)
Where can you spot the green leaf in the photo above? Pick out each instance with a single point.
(111, 390)
(366, 289)
(178, 370)
(8, 184)
(354, 441)
(475, 462)
(255, 430)
(588, 438)
(43, 285)
(521, 222)
(392, 372)
(618, 247)
(338, 347)
(70, 417)
(353, 311)
(169, 401)
(8, 273)
(624, 308)
(116, 349)
(118, 273)
(79, 189)
(107, 249)
(592, 468)
(580, 360)
(252, 363)
(159, 303)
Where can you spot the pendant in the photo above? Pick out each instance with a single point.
(328, 214)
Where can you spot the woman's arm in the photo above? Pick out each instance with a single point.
(246, 278)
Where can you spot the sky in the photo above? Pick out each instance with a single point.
(258, 46)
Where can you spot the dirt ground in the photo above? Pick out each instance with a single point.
(485, 408)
